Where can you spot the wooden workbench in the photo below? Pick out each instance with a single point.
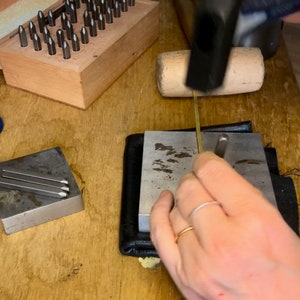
(77, 257)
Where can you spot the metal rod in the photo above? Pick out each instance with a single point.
(35, 174)
(39, 181)
(221, 145)
(37, 42)
(197, 121)
(32, 188)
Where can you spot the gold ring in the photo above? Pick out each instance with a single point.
(180, 233)
(196, 209)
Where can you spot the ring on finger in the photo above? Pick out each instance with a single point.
(183, 231)
(199, 207)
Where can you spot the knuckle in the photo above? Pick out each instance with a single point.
(186, 186)
(211, 167)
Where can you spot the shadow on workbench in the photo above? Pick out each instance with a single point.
(291, 33)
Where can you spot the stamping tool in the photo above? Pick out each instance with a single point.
(127, 37)
(32, 188)
(23, 37)
(34, 174)
(33, 182)
(37, 188)
(222, 144)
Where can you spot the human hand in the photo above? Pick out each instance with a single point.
(293, 18)
(240, 249)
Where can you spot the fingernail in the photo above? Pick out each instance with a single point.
(163, 193)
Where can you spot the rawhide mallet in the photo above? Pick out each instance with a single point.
(244, 74)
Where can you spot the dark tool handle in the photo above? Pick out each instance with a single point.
(214, 28)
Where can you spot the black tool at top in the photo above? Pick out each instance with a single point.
(214, 28)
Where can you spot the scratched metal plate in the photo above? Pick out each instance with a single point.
(20, 210)
(168, 155)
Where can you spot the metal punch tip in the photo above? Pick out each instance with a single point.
(221, 145)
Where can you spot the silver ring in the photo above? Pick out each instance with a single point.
(196, 209)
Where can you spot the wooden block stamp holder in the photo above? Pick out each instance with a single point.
(78, 81)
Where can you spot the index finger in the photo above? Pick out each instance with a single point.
(224, 184)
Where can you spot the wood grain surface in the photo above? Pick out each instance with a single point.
(290, 35)
(77, 257)
(6, 3)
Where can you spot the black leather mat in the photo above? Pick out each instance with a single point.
(135, 243)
